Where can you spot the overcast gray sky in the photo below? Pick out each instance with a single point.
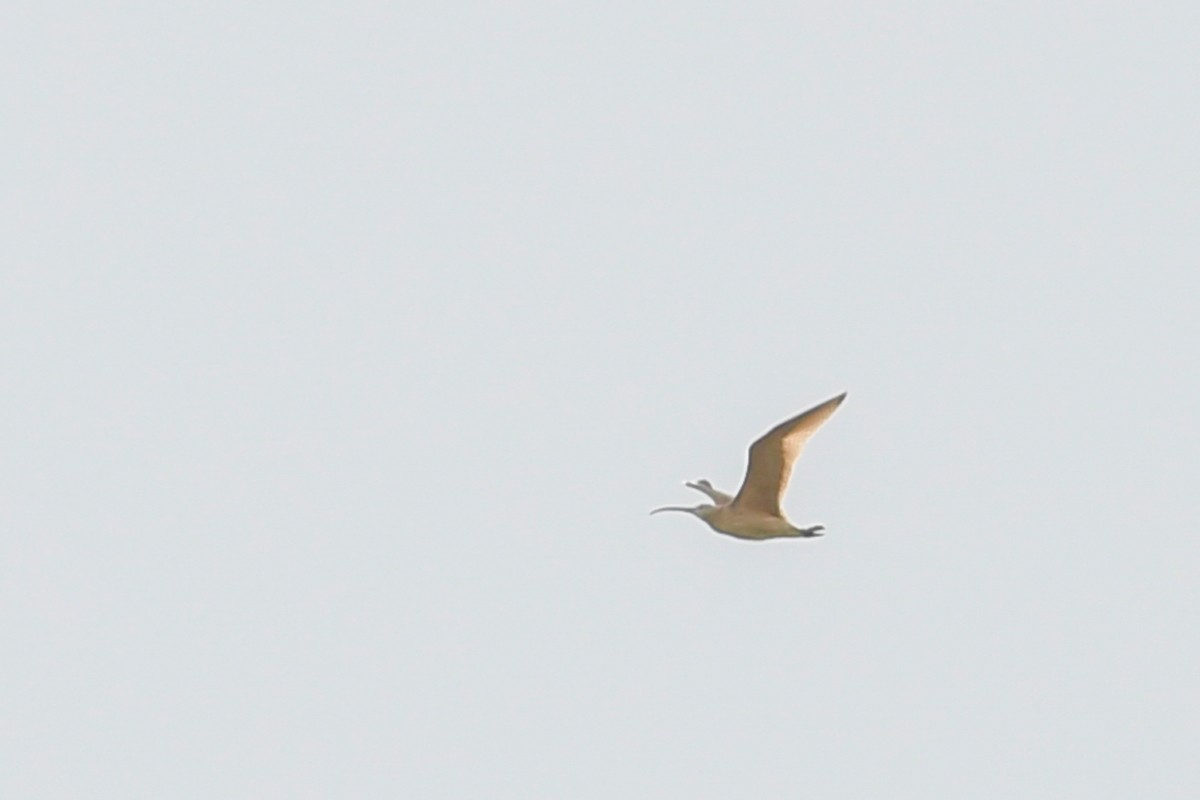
(346, 347)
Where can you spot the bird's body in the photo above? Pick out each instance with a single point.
(749, 524)
(755, 513)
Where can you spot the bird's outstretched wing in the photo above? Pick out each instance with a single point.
(717, 496)
(772, 456)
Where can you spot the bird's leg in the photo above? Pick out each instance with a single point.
(810, 532)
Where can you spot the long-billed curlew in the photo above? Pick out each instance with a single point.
(755, 512)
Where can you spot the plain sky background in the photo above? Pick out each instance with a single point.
(346, 346)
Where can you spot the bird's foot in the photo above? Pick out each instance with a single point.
(809, 533)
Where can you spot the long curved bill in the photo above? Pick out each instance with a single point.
(674, 508)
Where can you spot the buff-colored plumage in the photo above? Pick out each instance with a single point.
(755, 512)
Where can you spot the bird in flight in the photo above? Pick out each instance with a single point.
(755, 513)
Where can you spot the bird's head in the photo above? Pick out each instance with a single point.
(702, 511)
